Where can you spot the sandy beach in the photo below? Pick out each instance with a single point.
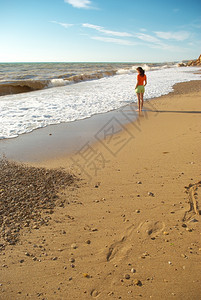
(129, 225)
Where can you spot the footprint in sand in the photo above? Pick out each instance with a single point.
(194, 194)
(114, 248)
(150, 228)
(94, 293)
(121, 248)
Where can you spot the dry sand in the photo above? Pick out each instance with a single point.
(131, 228)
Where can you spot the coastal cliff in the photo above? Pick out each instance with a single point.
(196, 62)
(192, 63)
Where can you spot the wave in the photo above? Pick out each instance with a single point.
(26, 112)
(57, 82)
(24, 86)
(146, 67)
(28, 85)
(86, 77)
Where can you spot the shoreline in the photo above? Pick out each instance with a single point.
(131, 227)
(67, 138)
(60, 139)
(37, 108)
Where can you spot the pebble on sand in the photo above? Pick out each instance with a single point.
(189, 229)
(72, 260)
(184, 225)
(127, 276)
(35, 227)
(151, 194)
(137, 282)
(94, 229)
(21, 261)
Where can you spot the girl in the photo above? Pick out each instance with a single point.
(139, 89)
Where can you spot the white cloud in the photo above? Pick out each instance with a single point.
(166, 47)
(108, 32)
(147, 38)
(178, 36)
(65, 25)
(156, 43)
(113, 40)
(79, 3)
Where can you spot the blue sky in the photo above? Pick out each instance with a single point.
(99, 30)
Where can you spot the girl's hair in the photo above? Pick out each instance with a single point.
(141, 71)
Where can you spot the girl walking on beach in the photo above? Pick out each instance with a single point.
(139, 89)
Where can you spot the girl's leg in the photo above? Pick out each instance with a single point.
(138, 98)
(141, 100)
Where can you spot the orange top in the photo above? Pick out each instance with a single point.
(141, 79)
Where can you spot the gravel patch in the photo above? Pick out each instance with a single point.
(28, 196)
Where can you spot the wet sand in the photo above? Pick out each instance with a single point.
(62, 139)
(131, 227)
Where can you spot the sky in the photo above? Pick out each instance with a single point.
(99, 30)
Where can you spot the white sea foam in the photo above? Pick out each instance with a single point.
(58, 82)
(146, 67)
(22, 113)
(125, 71)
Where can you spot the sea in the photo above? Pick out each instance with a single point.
(35, 95)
